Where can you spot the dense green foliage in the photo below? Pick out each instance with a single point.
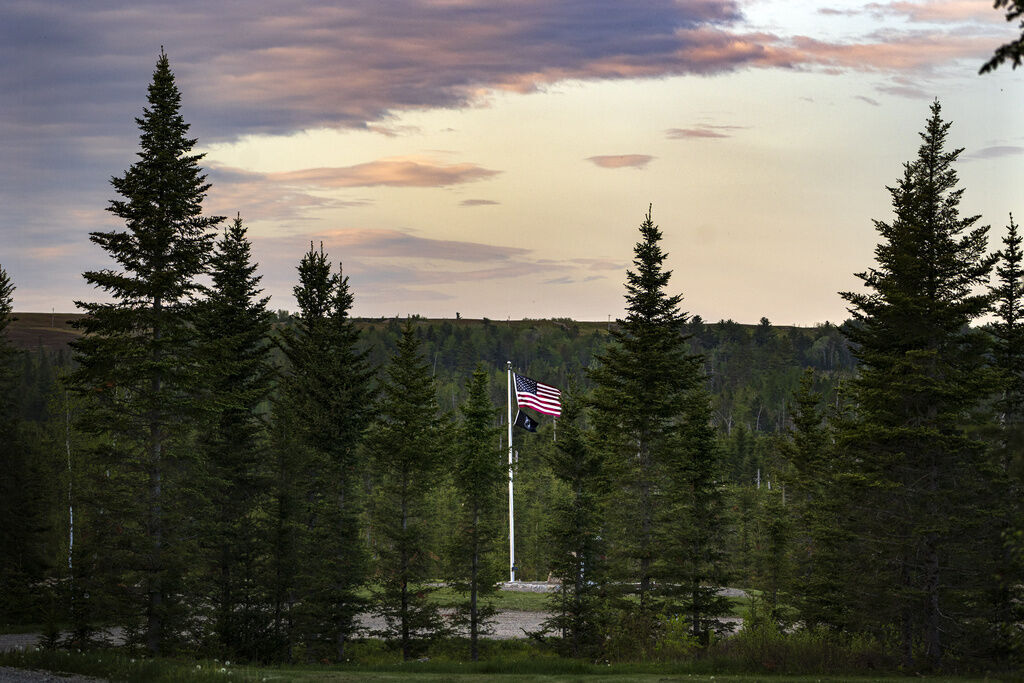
(928, 502)
(479, 475)
(232, 329)
(325, 402)
(1012, 51)
(405, 449)
(137, 360)
(211, 478)
(580, 615)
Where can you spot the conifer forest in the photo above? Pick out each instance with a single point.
(185, 471)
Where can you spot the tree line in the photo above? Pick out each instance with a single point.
(249, 484)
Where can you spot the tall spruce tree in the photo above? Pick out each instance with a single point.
(1008, 356)
(697, 523)
(642, 383)
(329, 392)
(1008, 329)
(577, 550)
(14, 539)
(405, 448)
(479, 475)
(233, 327)
(925, 499)
(137, 357)
(815, 497)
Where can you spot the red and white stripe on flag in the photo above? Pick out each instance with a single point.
(541, 397)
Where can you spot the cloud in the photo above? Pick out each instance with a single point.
(622, 160)
(400, 172)
(258, 197)
(398, 244)
(994, 152)
(599, 264)
(938, 11)
(288, 195)
(478, 202)
(869, 100)
(888, 51)
(702, 130)
(902, 87)
(564, 280)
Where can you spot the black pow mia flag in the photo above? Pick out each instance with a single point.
(525, 421)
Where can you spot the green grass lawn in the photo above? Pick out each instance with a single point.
(522, 667)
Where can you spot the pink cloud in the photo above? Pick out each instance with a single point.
(622, 160)
(389, 172)
(478, 202)
(939, 11)
(898, 52)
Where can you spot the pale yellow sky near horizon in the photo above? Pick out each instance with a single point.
(518, 152)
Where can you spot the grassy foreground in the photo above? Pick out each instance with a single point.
(119, 667)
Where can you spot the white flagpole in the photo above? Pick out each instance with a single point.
(511, 510)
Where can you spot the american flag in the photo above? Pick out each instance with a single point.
(541, 397)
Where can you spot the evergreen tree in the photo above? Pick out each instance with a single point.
(329, 395)
(7, 350)
(233, 327)
(15, 536)
(642, 383)
(1008, 356)
(574, 539)
(1008, 328)
(137, 356)
(405, 447)
(815, 497)
(1012, 51)
(925, 498)
(697, 523)
(479, 475)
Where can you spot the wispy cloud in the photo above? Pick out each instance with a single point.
(994, 152)
(599, 264)
(478, 202)
(938, 11)
(903, 87)
(622, 160)
(398, 244)
(869, 100)
(289, 195)
(889, 51)
(389, 172)
(702, 130)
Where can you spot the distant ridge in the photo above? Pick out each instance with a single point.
(53, 331)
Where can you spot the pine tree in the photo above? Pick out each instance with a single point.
(233, 326)
(642, 383)
(479, 475)
(1008, 447)
(814, 500)
(14, 541)
(575, 544)
(1008, 328)
(405, 447)
(924, 498)
(697, 524)
(136, 359)
(330, 394)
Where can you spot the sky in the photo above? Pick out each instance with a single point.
(495, 159)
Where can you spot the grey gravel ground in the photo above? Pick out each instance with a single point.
(9, 675)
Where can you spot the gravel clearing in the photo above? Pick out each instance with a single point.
(9, 675)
